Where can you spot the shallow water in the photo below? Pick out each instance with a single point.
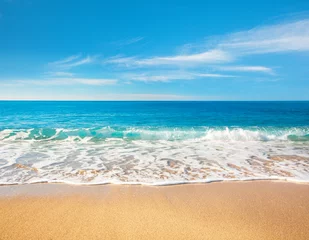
(153, 142)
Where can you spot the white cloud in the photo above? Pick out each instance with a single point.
(171, 76)
(157, 77)
(66, 60)
(213, 75)
(61, 81)
(93, 81)
(212, 56)
(61, 74)
(119, 60)
(72, 61)
(285, 37)
(246, 69)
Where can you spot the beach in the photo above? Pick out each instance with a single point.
(154, 120)
(222, 210)
(154, 170)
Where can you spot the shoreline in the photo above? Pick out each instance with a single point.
(220, 210)
(163, 184)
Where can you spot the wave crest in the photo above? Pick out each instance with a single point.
(205, 133)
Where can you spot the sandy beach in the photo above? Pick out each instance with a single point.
(223, 210)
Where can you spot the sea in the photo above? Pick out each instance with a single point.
(153, 143)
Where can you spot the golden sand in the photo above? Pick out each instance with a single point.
(228, 210)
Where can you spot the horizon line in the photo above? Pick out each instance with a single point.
(145, 100)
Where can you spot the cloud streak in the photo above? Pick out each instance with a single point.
(72, 61)
(60, 74)
(261, 69)
(286, 37)
(62, 81)
(172, 76)
(211, 56)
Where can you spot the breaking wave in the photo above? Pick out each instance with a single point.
(131, 133)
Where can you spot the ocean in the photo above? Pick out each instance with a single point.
(154, 143)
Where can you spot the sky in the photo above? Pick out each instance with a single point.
(154, 50)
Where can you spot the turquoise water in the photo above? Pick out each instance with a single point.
(27, 114)
(152, 142)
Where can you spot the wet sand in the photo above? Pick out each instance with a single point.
(223, 210)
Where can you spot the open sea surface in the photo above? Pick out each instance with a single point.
(154, 143)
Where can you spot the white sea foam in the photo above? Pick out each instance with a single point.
(206, 133)
(91, 156)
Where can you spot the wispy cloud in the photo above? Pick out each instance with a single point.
(172, 76)
(61, 81)
(120, 60)
(213, 75)
(126, 42)
(66, 60)
(93, 81)
(284, 37)
(246, 69)
(166, 77)
(211, 56)
(221, 58)
(72, 61)
(60, 74)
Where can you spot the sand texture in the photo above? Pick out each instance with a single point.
(227, 210)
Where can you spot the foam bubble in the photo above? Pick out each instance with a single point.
(86, 157)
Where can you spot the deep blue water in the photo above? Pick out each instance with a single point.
(68, 114)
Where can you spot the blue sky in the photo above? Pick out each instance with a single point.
(154, 50)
